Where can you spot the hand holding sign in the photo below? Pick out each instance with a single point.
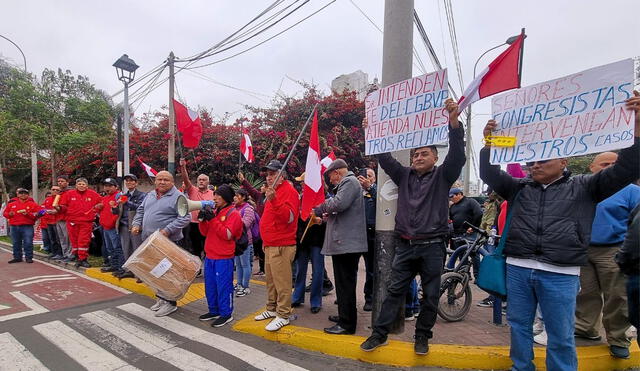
(633, 104)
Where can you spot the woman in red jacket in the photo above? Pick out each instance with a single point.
(22, 212)
(221, 228)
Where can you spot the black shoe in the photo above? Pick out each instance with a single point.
(334, 319)
(373, 342)
(208, 317)
(619, 352)
(485, 303)
(296, 305)
(315, 310)
(326, 290)
(585, 336)
(221, 321)
(367, 307)
(29, 260)
(107, 269)
(421, 346)
(338, 330)
(106, 265)
(83, 263)
(126, 274)
(138, 280)
(15, 261)
(118, 274)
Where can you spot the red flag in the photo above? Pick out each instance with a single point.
(313, 191)
(188, 123)
(327, 161)
(245, 146)
(502, 74)
(148, 169)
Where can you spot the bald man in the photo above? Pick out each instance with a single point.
(194, 240)
(158, 212)
(602, 284)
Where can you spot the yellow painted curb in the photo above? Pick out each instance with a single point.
(400, 353)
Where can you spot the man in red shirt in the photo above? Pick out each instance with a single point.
(21, 212)
(109, 221)
(80, 206)
(222, 227)
(195, 239)
(278, 230)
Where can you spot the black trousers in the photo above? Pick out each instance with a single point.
(369, 258)
(257, 249)
(195, 239)
(345, 272)
(56, 248)
(426, 260)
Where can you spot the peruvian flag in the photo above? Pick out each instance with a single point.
(502, 74)
(148, 169)
(327, 161)
(189, 125)
(313, 191)
(245, 146)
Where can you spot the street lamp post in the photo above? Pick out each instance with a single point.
(126, 70)
(467, 165)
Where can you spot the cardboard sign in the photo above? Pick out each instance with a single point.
(574, 115)
(407, 114)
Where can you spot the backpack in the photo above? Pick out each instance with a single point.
(243, 241)
(255, 227)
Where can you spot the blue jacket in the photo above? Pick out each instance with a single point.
(612, 216)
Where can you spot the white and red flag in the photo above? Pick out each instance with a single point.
(148, 169)
(245, 146)
(188, 124)
(501, 74)
(313, 191)
(327, 161)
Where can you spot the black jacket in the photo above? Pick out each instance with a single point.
(553, 225)
(370, 204)
(127, 211)
(628, 258)
(467, 210)
(423, 202)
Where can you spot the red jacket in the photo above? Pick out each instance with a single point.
(48, 219)
(80, 206)
(30, 207)
(108, 219)
(217, 244)
(275, 228)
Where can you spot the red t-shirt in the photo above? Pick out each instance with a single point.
(80, 206)
(217, 244)
(24, 212)
(108, 219)
(194, 194)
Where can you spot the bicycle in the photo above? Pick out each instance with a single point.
(455, 292)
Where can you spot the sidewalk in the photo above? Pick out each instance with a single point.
(474, 343)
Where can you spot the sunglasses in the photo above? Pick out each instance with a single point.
(537, 162)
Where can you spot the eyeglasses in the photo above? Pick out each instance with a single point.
(537, 162)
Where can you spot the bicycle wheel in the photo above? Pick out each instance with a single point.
(455, 297)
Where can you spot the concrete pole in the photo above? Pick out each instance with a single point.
(397, 61)
(127, 169)
(34, 172)
(120, 161)
(171, 166)
(467, 152)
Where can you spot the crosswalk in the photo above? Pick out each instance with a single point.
(129, 337)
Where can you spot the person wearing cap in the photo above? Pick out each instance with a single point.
(108, 222)
(221, 228)
(278, 227)
(194, 239)
(464, 209)
(21, 212)
(421, 230)
(345, 240)
(126, 209)
(158, 212)
(80, 207)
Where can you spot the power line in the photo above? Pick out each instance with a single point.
(454, 40)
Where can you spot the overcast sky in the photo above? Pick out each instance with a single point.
(86, 37)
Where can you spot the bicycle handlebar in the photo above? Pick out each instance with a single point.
(469, 225)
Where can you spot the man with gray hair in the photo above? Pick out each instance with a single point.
(194, 240)
(345, 240)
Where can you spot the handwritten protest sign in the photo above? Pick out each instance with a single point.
(407, 114)
(574, 115)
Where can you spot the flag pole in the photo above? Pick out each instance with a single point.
(284, 166)
(521, 59)
(240, 152)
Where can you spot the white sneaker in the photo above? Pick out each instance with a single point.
(277, 324)
(541, 338)
(157, 305)
(265, 315)
(166, 309)
(243, 292)
(538, 326)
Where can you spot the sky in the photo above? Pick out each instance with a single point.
(87, 37)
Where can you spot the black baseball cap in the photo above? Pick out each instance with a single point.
(131, 176)
(273, 165)
(110, 181)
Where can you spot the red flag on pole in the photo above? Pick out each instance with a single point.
(502, 74)
(245, 146)
(313, 191)
(188, 124)
(148, 169)
(327, 161)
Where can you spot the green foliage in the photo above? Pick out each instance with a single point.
(580, 164)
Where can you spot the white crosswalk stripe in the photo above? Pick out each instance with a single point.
(14, 356)
(250, 355)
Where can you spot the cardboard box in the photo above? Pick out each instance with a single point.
(164, 266)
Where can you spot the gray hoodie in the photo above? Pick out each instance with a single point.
(160, 213)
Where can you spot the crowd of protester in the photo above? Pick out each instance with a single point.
(571, 257)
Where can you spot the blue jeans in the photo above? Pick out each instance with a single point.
(243, 267)
(46, 240)
(218, 285)
(113, 247)
(317, 275)
(22, 238)
(633, 298)
(556, 294)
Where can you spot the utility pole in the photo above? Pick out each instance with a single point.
(397, 61)
(127, 115)
(171, 167)
(119, 173)
(468, 154)
(34, 171)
